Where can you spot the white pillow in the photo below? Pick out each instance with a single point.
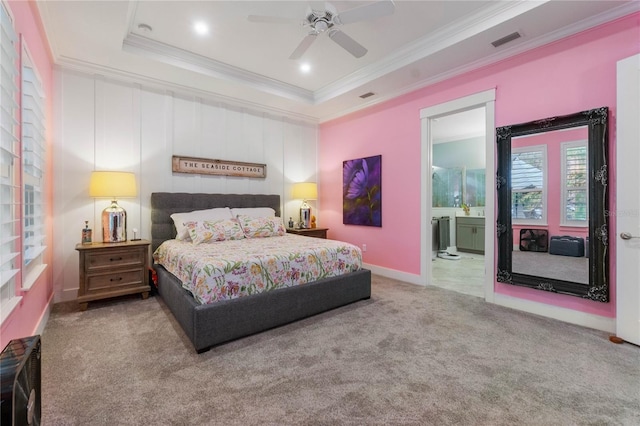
(254, 212)
(180, 219)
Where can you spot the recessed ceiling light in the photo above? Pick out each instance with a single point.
(305, 68)
(201, 28)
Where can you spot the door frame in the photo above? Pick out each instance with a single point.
(484, 99)
(627, 292)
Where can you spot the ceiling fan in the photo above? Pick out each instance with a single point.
(328, 21)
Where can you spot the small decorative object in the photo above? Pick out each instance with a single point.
(305, 191)
(135, 235)
(313, 222)
(113, 185)
(86, 233)
(362, 191)
(466, 208)
(290, 223)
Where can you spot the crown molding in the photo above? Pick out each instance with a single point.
(443, 38)
(127, 77)
(585, 24)
(146, 47)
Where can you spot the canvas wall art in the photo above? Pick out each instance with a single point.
(362, 191)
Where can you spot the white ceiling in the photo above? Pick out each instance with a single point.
(246, 63)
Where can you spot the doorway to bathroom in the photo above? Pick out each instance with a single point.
(458, 197)
(458, 182)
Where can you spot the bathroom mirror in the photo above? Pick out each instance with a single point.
(552, 184)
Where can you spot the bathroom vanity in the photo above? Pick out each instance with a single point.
(470, 234)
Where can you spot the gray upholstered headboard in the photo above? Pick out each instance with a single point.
(164, 204)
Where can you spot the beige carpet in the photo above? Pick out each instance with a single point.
(410, 355)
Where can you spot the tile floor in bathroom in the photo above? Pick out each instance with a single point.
(465, 275)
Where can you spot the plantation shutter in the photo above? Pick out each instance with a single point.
(33, 163)
(575, 183)
(9, 162)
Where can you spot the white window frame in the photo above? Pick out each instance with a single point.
(564, 189)
(9, 166)
(543, 219)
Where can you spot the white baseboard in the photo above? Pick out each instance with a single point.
(44, 318)
(571, 316)
(67, 295)
(395, 274)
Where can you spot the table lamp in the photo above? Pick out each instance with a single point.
(305, 191)
(113, 185)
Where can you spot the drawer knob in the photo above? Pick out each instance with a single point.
(116, 279)
(114, 259)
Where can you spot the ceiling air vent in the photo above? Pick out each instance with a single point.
(506, 39)
(366, 95)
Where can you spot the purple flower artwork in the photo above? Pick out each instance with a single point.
(361, 191)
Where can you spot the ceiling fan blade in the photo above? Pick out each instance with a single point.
(271, 19)
(347, 43)
(366, 12)
(303, 46)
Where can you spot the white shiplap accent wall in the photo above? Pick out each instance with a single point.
(104, 124)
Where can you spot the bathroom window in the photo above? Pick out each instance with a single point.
(447, 187)
(454, 186)
(474, 189)
(529, 185)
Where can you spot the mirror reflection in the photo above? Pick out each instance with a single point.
(550, 204)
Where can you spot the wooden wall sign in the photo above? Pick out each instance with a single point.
(204, 166)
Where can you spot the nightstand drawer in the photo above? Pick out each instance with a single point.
(115, 280)
(113, 269)
(96, 262)
(316, 233)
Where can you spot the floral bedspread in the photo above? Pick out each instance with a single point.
(234, 268)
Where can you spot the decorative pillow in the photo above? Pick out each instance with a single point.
(258, 227)
(254, 212)
(211, 215)
(206, 231)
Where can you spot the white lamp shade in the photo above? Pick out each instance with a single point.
(112, 185)
(305, 191)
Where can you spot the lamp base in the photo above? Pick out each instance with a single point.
(114, 224)
(305, 216)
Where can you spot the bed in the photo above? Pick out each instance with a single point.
(208, 325)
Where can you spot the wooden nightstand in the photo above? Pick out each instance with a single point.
(113, 269)
(313, 232)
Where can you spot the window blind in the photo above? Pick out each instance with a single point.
(9, 162)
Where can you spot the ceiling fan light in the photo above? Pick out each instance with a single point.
(321, 26)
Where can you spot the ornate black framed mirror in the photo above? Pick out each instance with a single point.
(552, 197)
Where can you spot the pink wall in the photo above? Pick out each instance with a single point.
(24, 320)
(574, 74)
(553, 141)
